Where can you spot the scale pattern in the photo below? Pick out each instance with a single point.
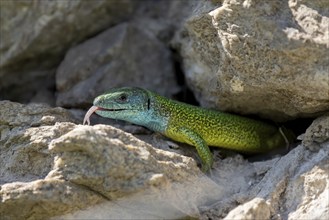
(220, 129)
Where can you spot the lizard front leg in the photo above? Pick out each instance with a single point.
(192, 138)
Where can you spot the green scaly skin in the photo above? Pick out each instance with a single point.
(189, 124)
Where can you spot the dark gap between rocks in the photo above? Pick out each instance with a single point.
(185, 95)
(298, 126)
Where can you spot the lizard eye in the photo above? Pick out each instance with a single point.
(122, 98)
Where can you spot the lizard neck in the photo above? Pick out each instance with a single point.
(158, 114)
(156, 117)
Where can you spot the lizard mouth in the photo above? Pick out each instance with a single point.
(109, 109)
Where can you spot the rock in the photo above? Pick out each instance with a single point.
(32, 43)
(121, 56)
(279, 182)
(307, 195)
(25, 133)
(35, 36)
(254, 209)
(78, 171)
(119, 166)
(13, 114)
(317, 133)
(24, 151)
(254, 57)
(176, 202)
(69, 167)
(150, 17)
(115, 163)
(41, 199)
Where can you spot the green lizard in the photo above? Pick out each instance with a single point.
(188, 124)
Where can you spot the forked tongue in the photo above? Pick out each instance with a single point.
(88, 114)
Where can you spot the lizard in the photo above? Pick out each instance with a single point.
(189, 124)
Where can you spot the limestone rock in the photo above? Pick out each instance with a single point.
(14, 114)
(114, 163)
(41, 199)
(67, 167)
(313, 187)
(78, 171)
(254, 209)
(317, 133)
(25, 132)
(121, 56)
(281, 183)
(24, 151)
(255, 57)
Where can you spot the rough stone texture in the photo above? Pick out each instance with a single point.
(317, 133)
(307, 195)
(112, 157)
(121, 56)
(259, 57)
(68, 168)
(14, 114)
(24, 151)
(254, 209)
(41, 199)
(281, 182)
(36, 34)
(25, 132)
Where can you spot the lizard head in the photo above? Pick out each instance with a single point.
(127, 103)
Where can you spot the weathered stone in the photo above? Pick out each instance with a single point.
(254, 209)
(307, 194)
(97, 162)
(25, 132)
(67, 167)
(14, 114)
(41, 199)
(24, 154)
(255, 57)
(178, 201)
(317, 133)
(114, 163)
(36, 34)
(281, 183)
(121, 56)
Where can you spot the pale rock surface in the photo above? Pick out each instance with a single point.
(41, 199)
(25, 132)
(100, 172)
(259, 57)
(254, 209)
(67, 167)
(317, 133)
(281, 183)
